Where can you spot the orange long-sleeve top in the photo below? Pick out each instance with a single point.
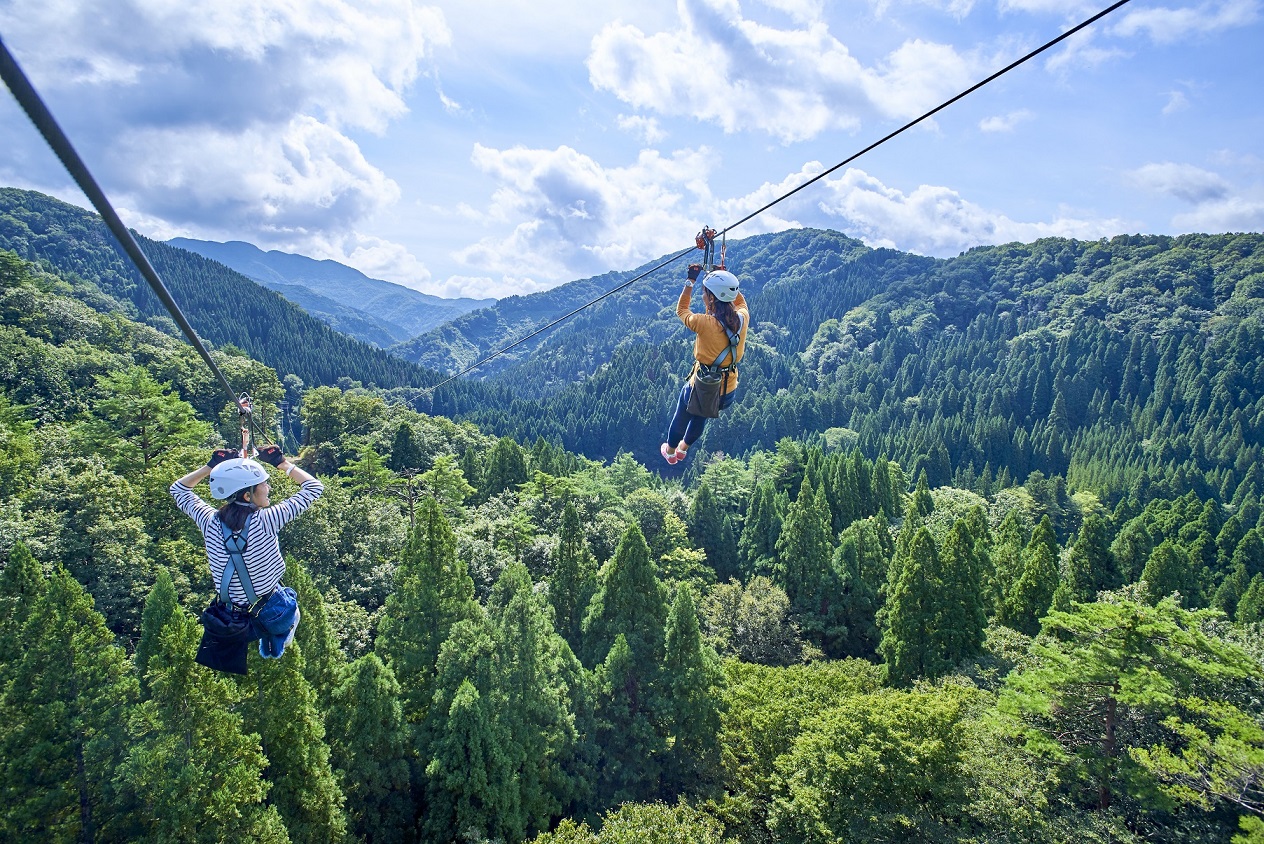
(712, 340)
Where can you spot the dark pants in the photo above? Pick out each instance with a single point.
(684, 425)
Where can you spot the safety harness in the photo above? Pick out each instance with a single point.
(235, 545)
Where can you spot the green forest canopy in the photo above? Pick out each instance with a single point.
(530, 643)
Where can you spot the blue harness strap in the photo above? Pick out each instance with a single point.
(235, 544)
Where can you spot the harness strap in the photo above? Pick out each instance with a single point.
(731, 350)
(235, 544)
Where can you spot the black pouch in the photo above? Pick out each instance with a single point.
(226, 631)
(705, 393)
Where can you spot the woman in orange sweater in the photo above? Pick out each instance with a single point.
(726, 317)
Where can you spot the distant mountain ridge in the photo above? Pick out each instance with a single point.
(369, 309)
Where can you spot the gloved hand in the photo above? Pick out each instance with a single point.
(272, 455)
(219, 456)
(694, 270)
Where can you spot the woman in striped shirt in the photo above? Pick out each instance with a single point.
(243, 485)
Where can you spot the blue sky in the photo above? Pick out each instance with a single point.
(488, 148)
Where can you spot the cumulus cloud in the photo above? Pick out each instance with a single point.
(1166, 25)
(569, 216)
(230, 116)
(1218, 204)
(1183, 181)
(934, 220)
(1005, 122)
(646, 128)
(792, 84)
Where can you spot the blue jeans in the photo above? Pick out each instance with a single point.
(684, 425)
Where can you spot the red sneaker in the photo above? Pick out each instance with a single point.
(668, 455)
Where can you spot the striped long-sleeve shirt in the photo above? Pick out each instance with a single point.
(264, 562)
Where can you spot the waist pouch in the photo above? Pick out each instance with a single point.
(706, 388)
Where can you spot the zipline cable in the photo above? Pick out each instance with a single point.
(998, 74)
(43, 119)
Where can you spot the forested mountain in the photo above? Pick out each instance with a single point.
(374, 311)
(1118, 363)
(505, 641)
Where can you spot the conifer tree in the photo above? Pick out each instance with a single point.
(21, 585)
(1251, 607)
(805, 555)
(1131, 548)
(533, 700)
(283, 712)
(710, 530)
(323, 660)
(469, 775)
(506, 468)
(757, 546)
(63, 711)
(1032, 594)
(629, 602)
(1167, 571)
(912, 643)
(691, 683)
(859, 564)
(627, 717)
(1007, 558)
(432, 593)
(187, 739)
(369, 747)
(574, 579)
(964, 617)
(161, 604)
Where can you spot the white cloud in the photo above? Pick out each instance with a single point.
(570, 217)
(1168, 25)
(934, 220)
(1219, 204)
(1005, 122)
(793, 84)
(230, 117)
(1176, 102)
(800, 11)
(1183, 181)
(1081, 50)
(1231, 214)
(646, 128)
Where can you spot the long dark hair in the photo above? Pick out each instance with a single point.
(234, 511)
(723, 311)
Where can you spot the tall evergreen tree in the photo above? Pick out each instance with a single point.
(805, 554)
(1167, 572)
(506, 468)
(627, 718)
(323, 660)
(432, 593)
(860, 566)
(1032, 594)
(187, 739)
(63, 711)
(533, 700)
(304, 789)
(469, 775)
(369, 747)
(22, 583)
(963, 616)
(757, 546)
(630, 601)
(912, 643)
(574, 579)
(691, 683)
(710, 530)
(160, 606)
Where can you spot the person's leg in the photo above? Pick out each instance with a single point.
(679, 425)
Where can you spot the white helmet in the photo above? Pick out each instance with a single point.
(234, 475)
(722, 284)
